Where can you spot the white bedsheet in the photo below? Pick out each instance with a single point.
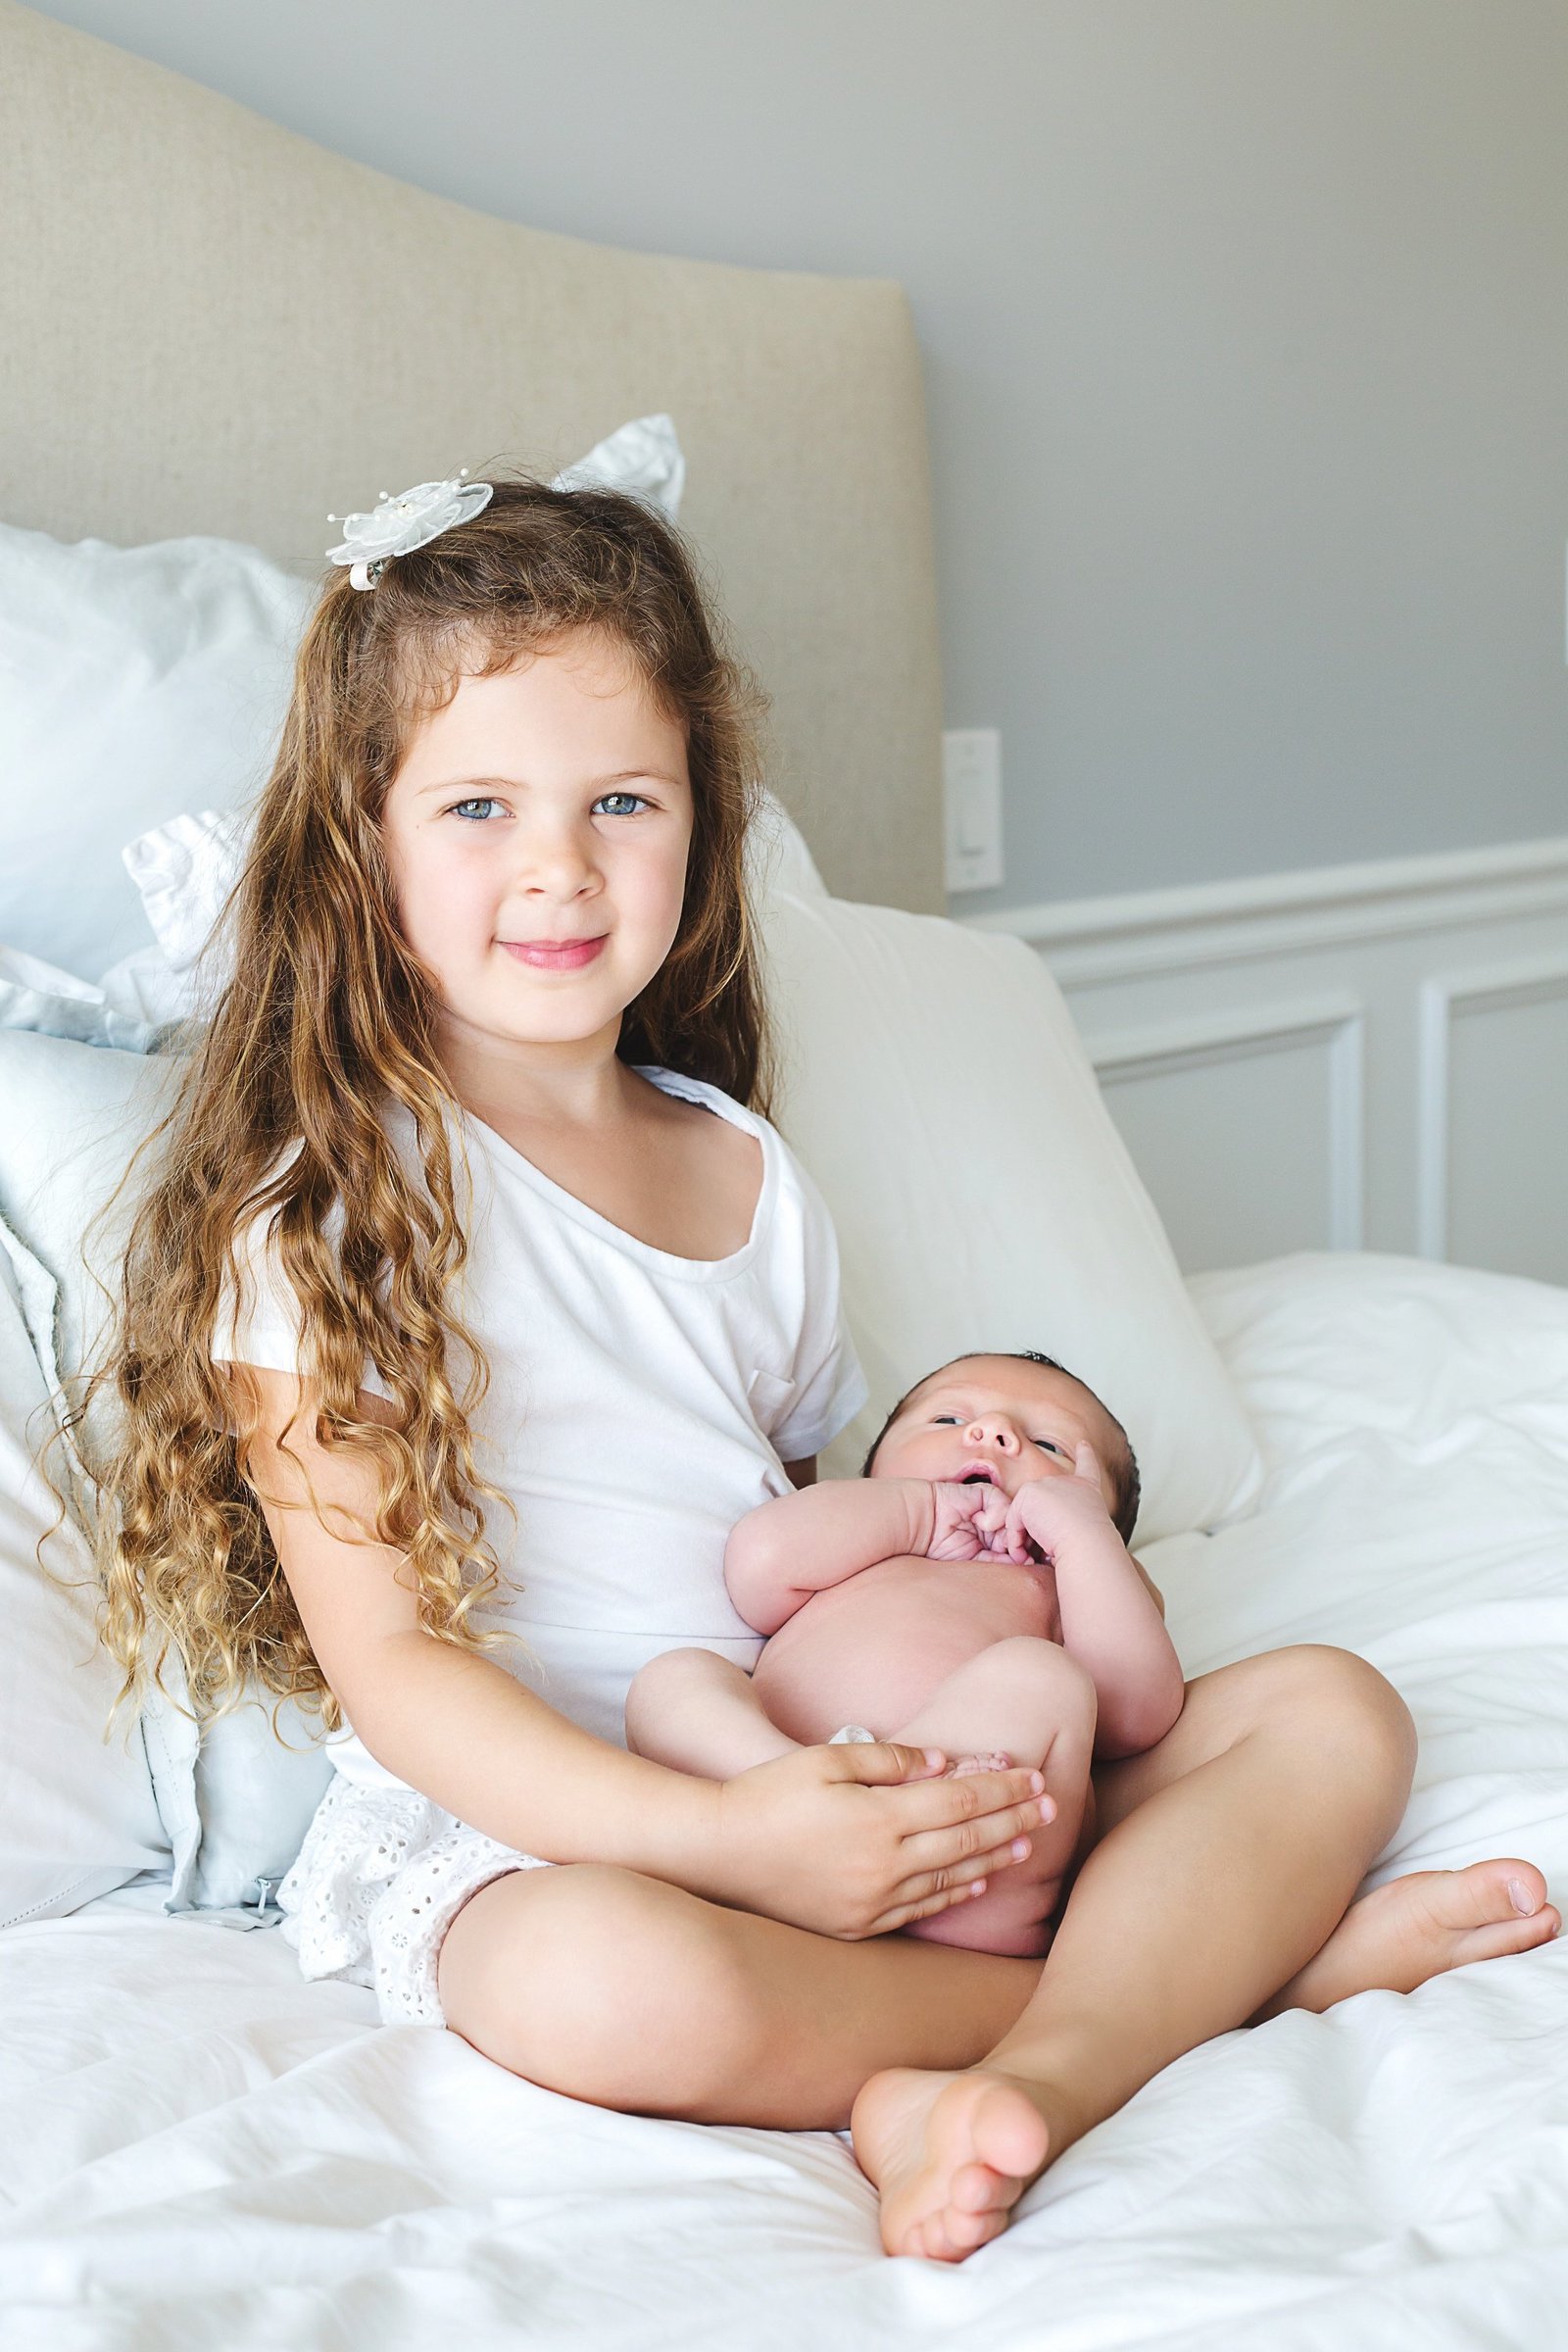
(198, 2149)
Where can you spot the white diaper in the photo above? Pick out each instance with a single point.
(380, 1878)
(853, 1734)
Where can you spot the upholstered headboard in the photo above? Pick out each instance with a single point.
(209, 325)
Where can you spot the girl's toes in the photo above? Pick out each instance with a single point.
(977, 2188)
(1487, 1910)
(949, 2236)
(1512, 1936)
(1501, 1892)
(1526, 1890)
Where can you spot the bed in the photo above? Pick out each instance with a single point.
(199, 2148)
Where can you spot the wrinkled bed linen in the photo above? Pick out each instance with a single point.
(197, 2148)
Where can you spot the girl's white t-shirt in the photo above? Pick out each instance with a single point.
(639, 1405)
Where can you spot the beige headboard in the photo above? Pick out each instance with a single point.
(209, 325)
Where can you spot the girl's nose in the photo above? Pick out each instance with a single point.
(987, 1432)
(556, 862)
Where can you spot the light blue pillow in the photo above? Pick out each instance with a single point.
(77, 1813)
(235, 1805)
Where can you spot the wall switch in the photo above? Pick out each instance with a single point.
(971, 779)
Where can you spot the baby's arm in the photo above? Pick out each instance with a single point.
(1111, 1619)
(796, 1544)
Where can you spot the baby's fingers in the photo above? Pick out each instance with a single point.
(1015, 1533)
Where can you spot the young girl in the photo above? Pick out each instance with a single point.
(476, 1299)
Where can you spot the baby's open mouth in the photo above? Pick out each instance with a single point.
(978, 1474)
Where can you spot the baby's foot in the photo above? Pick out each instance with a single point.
(950, 2154)
(1418, 1927)
(990, 1761)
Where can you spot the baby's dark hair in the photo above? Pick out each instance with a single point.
(1123, 1469)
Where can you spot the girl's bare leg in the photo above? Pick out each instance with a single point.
(637, 1995)
(1227, 1857)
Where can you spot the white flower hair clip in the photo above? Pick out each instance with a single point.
(396, 526)
(643, 459)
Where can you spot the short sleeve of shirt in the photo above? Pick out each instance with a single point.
(258, 1319)
(829, 1385)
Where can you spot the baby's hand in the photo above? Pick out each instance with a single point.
(969, 1521)
(1048, 1510)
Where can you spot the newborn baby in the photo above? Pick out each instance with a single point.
(971, 1591)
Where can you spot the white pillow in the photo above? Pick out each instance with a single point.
(936, 1091)
(642, 457)
(78, 1814)
(75, 1116)
(128, 678)
(133, 680)
(128, 1007)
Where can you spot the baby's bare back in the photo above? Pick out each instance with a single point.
(872, 1650)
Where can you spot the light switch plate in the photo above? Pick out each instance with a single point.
(972, 780)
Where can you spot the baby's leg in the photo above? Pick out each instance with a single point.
(1030, 1700)
(698, 1712)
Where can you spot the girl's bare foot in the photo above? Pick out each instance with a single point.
(950, 2154)
(1414, 1928)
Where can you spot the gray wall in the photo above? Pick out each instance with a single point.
(1247, 335)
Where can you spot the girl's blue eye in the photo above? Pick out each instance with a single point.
(466, 809)
(1049, 1446)
(635, 798)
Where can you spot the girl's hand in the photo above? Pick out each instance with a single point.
(971, 1522)
(1050, 1510)
(855, 1841)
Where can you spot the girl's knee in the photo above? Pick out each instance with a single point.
(1343, 1699)
(603, 1984)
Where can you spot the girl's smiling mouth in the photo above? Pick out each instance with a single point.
(555, 954)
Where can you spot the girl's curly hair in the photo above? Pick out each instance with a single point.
(327, 1021)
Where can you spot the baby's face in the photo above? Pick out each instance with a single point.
(992, 1418)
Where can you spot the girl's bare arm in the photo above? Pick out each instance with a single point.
(820, 1846)
(796, 1544)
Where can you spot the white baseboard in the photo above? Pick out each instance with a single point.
(1362, 1056)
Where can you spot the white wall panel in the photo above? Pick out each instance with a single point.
(1494, 1119)
(1371, 1055)
(1185, 1098)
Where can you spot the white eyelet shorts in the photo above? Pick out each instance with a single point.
(380, 1878)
